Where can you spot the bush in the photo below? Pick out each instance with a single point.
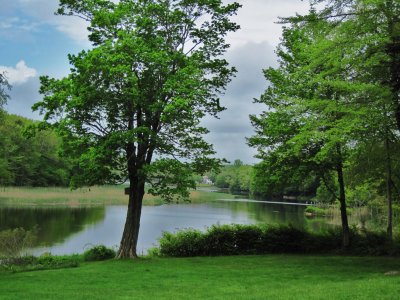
(184, 243)
(99, 252)
(283, 239)
(232, 239)
(254, 239)
(14, 241)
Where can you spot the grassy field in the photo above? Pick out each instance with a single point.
(239, 277)
(97, 195)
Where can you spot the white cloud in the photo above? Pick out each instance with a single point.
(74, 27)
(43, 10)
(258, 18)
(19, 74)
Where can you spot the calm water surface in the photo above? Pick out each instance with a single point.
(72, 230)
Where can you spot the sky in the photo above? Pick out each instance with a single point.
(35, 42)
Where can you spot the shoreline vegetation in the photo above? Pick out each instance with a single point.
(93, 196)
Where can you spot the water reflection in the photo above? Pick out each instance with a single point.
(54, 224)
(72, 230)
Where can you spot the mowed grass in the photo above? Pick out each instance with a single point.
(238, 277)
(97, 195)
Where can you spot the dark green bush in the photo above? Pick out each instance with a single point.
(220, 240)
(254, 239)
(99, 252)
(187, 242)
(248, 238)
(283, 239)
(370, 243)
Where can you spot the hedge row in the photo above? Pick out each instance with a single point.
(254, 239)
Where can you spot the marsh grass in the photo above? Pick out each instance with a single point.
(97, 195)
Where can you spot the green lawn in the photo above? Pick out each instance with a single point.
(237, 277)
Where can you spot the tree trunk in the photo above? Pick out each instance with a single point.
(342, 200)
(389, 188)
(128, 246)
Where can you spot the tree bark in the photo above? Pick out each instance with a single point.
(128, 246)
(389, 188)
(342, 200)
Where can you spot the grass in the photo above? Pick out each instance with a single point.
(238, 277)
(97, 195)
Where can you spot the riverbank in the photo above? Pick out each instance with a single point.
(97, 195)
(235, 277)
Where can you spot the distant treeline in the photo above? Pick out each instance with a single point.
(240, 178)
(30, 160)
(262, 181)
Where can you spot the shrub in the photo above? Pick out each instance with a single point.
(220, 240)
(248, 238)
(187, 242)
(283, 239)
(254, 239)
(14, 241)
(99, 252)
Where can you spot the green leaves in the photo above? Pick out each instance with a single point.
(154, 72)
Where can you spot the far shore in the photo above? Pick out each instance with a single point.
(88, 196)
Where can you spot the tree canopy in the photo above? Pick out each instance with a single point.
(30, 161)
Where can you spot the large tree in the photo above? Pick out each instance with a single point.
(155, 70)
(368, 34)
(312, 122)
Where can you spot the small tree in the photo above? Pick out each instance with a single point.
(155, 71)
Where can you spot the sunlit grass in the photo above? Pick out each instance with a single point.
(235, 277)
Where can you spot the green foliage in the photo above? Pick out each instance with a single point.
(99, 252)
(271, 179)
(235, 177)
(13, 242)
(30, 161)
(361, 195)
(254, 239)
(43, 262)
(324, 195)
(333, 107)
(155, 70)
(316, 211)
